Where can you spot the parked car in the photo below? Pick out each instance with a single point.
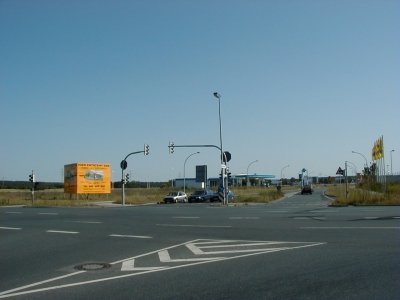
(307, 189)
(175, 197)
(203, 196)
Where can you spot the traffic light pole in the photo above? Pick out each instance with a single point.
(124, 165)
(32, 180)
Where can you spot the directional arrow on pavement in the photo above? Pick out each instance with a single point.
(179, 256)
(203, 251)
(129, 265)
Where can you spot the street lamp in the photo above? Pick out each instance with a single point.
(391, 162)
(287, 166)
(366, 171)
(218, 96)
(355, 167)
(247, 172)
(366, 161)
(184, 171)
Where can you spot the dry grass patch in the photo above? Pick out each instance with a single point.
(358, 196)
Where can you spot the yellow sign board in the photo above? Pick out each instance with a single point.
(87, 178)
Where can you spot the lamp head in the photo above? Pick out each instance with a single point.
(216, 95)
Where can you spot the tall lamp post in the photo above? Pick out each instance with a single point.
(391, 162)
(287, 166)
(366, 161)
(366, 164)
(247, 172)
(184, 171)
(218, 96)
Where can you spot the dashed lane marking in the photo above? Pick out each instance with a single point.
(198, 226)
(244, 218)
(84, 222)
(10, 228)
(131, 236)
(62, 231)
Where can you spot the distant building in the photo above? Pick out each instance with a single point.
(234, 180)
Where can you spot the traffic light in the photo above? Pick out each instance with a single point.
(32, 177)
(126, 178)
(146, 149)
(171, 147)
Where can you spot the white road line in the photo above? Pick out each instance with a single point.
(166, 258)
(131, 236)
(198, 226)
(276, 211)
(129, 265)
(348, 227)
(61, 231)
(186, 217)
(244, 218)
(50, 214)
(13, 212)
(9, 293)
(84, 222)
(10, 228)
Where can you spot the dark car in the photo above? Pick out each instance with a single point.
(307, 189)
(203, 196)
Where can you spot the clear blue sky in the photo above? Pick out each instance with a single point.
(302, 82)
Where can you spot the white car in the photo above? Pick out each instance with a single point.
(175, 197)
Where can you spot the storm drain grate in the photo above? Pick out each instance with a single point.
(92, 266)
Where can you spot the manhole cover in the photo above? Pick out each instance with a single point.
(93, 266)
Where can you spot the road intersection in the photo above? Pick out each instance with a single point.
(200, 250)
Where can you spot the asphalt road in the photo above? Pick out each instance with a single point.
(296, 248)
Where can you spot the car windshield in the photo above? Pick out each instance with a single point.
(173, 194)
(198, 193)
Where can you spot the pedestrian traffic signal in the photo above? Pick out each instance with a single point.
(146, 149)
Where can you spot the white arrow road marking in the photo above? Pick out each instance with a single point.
(165, 258)
(197, 250)
(129, 263)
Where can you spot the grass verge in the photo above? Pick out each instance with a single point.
(57, 197)
(360, 196)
